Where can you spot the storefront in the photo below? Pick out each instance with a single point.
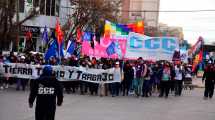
(33, 42)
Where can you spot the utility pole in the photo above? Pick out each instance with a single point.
(16, 43)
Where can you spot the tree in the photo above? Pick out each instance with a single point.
(9, 27)
(90, 15)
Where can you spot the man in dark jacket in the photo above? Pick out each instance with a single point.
(128, 77)
(209, 77)
(45, 90)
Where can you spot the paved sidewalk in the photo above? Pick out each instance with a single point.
(197, 82)
(190, 106)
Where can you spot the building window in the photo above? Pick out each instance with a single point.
(57, 7)
(42, 7)
(47, 7)
(21, 6)
(36, 3)
(53, 8)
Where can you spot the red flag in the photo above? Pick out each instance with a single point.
(79, 35)
(59, 33)
(140, 27)
(28, 35)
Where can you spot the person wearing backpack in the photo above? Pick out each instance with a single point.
(146, 83)
(165, 78)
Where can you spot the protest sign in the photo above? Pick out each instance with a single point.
(63, 73)
(150, 48)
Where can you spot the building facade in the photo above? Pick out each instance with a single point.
(146, 10)
(49, 11)
(172, 31)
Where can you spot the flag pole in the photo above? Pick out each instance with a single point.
(59, 56)
(42, 44)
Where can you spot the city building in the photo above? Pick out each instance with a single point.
(172, 31)
(146, 10)
(49, 11)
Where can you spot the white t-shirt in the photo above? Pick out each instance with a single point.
(178, 74)
(117, 74)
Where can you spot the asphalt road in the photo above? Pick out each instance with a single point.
(190, 106)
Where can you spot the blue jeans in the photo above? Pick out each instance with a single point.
(146, 87)
(138, 85)
(115, 88)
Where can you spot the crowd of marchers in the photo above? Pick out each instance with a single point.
(138, 77)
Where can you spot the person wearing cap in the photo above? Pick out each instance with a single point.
(209, 79)
(21, 82)
(117, 77)
(45, 90)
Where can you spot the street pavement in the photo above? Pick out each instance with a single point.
(198, 82)
(190, 106)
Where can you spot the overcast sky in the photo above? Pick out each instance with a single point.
(194, 24)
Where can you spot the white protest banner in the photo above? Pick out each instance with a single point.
(150, 48)
(63, 73)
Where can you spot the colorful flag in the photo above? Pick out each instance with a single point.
(198, 59)
(196, 47)
(197, 53)
(122, 29)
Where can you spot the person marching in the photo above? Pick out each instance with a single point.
(178, 80)
(209, 79)
(45, 90)
(165, 75)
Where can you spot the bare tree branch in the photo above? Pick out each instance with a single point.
(90, 14)
(8, 25)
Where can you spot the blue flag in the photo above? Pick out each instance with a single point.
(45, 36)
(118, 49)
(61, 50)
(87, 36)
(70, 48)
(52, 50)
(111, 49)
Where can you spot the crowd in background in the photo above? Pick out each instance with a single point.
(138, 77)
